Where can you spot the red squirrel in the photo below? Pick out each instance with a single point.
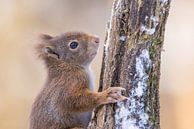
(67, 99)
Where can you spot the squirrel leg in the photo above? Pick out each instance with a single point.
(89, 100)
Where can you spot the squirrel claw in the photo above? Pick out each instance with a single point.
(114, 94)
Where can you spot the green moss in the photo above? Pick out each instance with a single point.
(152, 119)
(152, 99)
(155, 42)
(153, 48)
(152, 53)
(152, 94)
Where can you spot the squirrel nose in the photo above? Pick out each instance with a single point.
(96, 40)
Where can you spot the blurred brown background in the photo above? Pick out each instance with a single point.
(22, 75)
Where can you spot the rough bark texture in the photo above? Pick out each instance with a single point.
(132, 55)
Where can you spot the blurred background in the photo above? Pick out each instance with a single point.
(22, 75)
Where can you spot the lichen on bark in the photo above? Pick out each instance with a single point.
(132, 114)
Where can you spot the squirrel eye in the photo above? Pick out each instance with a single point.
(73, 45)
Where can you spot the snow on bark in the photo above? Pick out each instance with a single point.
(132, 114)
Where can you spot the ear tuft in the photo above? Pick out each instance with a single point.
(45, 37)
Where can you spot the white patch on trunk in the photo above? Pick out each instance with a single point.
(123, 38)
(118, 4)
(163, 1)
(150, 30)
(132, 114)
(106, 45)
(162, 4)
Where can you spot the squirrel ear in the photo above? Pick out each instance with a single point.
(50, 52)
(45, 37)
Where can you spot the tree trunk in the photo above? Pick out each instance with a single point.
(132, 56)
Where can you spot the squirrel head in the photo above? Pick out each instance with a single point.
(73, 47)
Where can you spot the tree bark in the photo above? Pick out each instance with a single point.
(131, 59)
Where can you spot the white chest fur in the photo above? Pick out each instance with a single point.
(90, 78)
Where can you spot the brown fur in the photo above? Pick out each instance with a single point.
(65, 101)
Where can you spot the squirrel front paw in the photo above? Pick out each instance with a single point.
(113, 95)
